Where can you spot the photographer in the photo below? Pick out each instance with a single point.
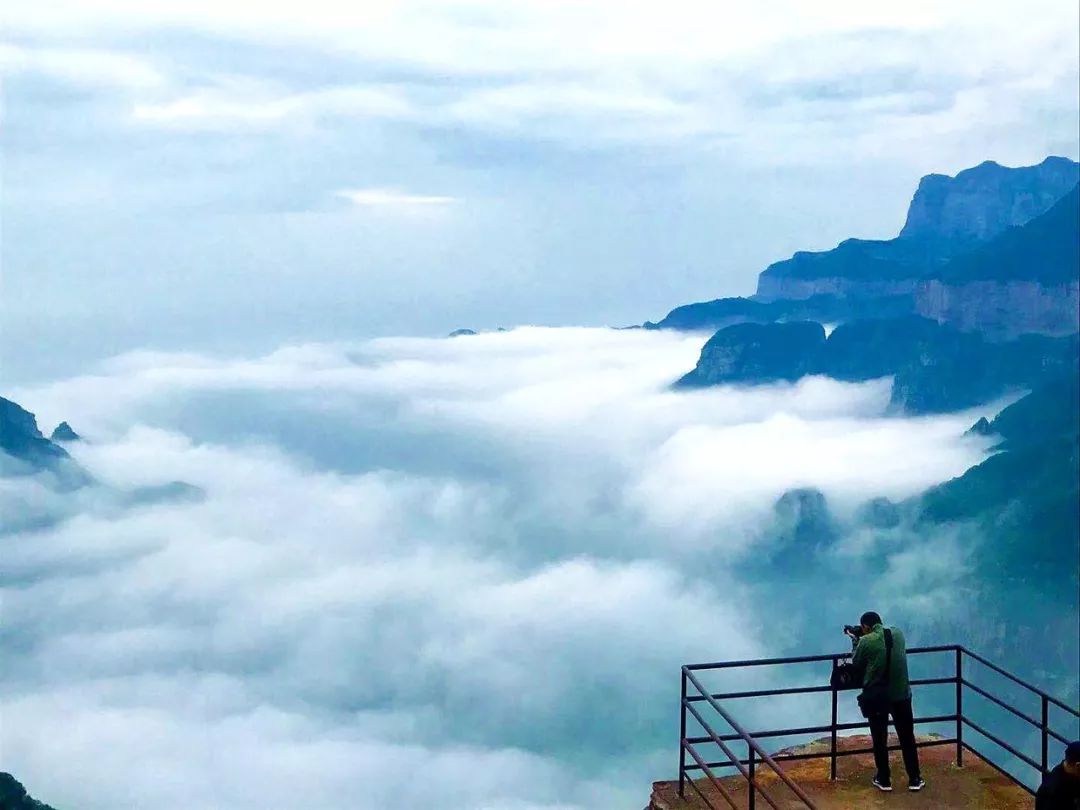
(881, 654)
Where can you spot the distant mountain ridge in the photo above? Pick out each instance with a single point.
(935, 367)
(1024, 280)
(947, 216)
(24, 450)
(993, 249)
(13, 795)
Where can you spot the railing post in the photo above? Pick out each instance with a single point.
(1045, 734)
(753, 787)
(832, 751)
(959, 707)
(682, 736)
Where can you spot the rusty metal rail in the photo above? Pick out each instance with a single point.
(748, 768)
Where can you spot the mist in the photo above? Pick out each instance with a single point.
(452, 572)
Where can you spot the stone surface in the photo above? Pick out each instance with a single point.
(13, 795)
(20, 438)
(64, 433)
(934, 367)
(750, 352)
(976, 786)
(981, 202)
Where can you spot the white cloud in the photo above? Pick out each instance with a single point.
(82, 67)
(612, 71)
(389, 197)
(489, 554)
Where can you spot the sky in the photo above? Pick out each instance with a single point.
(446, 573)
(236, 176)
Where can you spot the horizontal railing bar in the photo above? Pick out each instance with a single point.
(796, 690)
(802, 659)
(1022, 757)
(1061, 738)
(802, 690)
(794, 732)
(750, 742)
(1001, 703)
(750, 780)
(1028, 686)
(826, 754)
(998, 768)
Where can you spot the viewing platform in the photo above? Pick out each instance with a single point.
(1001, 736)
(976, 786)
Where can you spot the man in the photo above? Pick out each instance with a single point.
(1060, 789)
(870, 655)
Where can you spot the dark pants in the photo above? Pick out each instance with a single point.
(905, 732)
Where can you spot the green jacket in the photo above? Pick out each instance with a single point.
(870, 652)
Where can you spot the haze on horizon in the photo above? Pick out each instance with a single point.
(235, 176)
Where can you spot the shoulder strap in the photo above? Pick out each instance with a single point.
(888, 655)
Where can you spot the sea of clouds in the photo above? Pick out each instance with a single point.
(455, 573)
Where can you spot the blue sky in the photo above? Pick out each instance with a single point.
(214, 175)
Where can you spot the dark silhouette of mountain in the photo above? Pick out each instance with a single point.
(948, 216)
(750, 352)
(1025, 499)
(24, 450)
(1025, 280)
(64, 433)
(822, 308)
(21, 439)
(934, 367)
(462, 333)
(993, 249)
(986, 200)
(13, 796)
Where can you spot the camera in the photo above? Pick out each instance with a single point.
(853, 629)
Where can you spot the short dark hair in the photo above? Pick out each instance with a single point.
(870, 619)
(1072, 752)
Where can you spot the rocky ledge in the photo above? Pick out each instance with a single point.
(976, 785)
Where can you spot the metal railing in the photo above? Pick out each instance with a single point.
(748, 767)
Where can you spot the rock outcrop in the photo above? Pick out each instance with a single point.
(25, 451)
(821, 308)
(20, 438)
(986, 200)
(993, 249)
(947, 217)
(1025, 280)
(64, 433)
(750, 352)
(13, 795)
(1023, 499)
(935, 367)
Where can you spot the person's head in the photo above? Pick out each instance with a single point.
(1072, 759)
(868, 620)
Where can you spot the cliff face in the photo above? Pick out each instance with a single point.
(777, 287)
(1027, 279)
(994, 250)
(935, 367)
(20, 438)
(958, 230)
(750, 352)
(984, 201)
(1002, 309)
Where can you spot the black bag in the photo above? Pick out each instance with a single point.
(845, 675)
(874, 699)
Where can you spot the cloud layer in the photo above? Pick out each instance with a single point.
(456, 573)
(618, 158)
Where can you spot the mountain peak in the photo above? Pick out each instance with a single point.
(64, 433)
(985, 200)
